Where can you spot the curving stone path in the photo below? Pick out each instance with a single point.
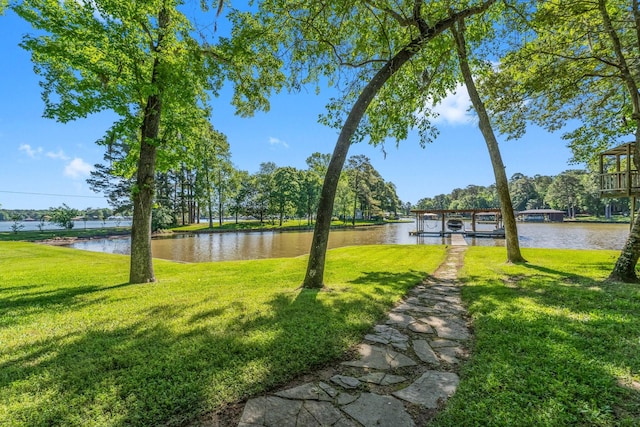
(405, 369)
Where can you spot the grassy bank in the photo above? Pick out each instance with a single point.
(79, 346)
(555, 345)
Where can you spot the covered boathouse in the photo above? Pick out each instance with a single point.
(540, 215)
(449, 217)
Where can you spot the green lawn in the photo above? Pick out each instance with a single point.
(555, 345)
(80, 347)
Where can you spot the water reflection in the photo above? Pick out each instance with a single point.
(256, 245)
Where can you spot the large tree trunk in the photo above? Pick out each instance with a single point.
(314, 277)
(625, 268)
(141, 269)
(502, 185)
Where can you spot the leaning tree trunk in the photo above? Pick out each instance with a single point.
(314, 277)
(502, 186)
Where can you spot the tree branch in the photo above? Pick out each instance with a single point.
(402, 20)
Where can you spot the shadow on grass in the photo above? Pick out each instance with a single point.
(18, 300)
(551, 349)
(185, 359)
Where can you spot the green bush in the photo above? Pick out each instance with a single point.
(63, 216)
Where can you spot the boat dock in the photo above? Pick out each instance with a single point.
(450, 220)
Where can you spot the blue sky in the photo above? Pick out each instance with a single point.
(44, 163)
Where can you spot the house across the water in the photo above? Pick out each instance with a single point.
(541, 215)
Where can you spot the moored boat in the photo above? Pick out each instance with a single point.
(455, 224)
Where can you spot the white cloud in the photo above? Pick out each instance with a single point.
(275, 141)
(77, 168)
(454, 109)
(31, 152)
(59, 155)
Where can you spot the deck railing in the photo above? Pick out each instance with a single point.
(620, 183)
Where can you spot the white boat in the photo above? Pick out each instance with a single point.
(455, 224)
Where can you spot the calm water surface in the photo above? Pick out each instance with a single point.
(242, 246)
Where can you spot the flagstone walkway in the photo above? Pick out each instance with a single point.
(404, 372)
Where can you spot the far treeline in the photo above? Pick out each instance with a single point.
(574, 191)
(205, 184)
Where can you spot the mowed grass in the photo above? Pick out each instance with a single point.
(555, 345)
(81, 347)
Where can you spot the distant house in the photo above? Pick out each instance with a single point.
(540, 215)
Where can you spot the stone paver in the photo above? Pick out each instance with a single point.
(373, 410)
(345, 382)
(307, 391)
(382, 378)
(415, 348)
(430, 388)
(425, 352)
(375, 357)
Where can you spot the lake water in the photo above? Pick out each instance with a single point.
(255, 245)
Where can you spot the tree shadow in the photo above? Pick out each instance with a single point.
(185, 358)
(14, 304)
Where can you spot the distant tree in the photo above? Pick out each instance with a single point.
(589, 198)
(263, 185)
(42, 222)
(390, 202)
(522, 190)
(241, 189)
(564, 191)
(213, 170)
(344, 197)
(541, 184)
(16, 226)
(63, 216)
(357, 171)
(310, 185)
(406, 208)
(284, 191)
